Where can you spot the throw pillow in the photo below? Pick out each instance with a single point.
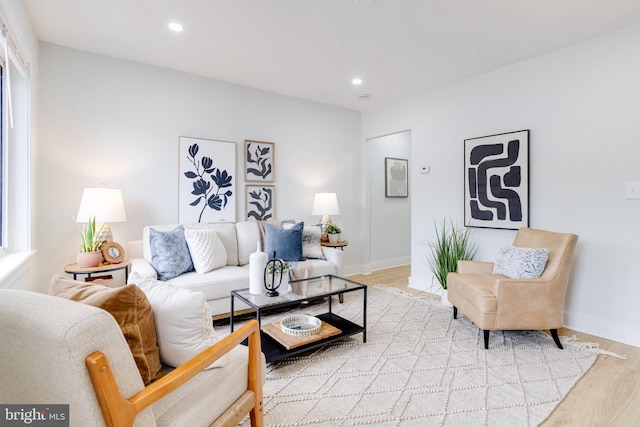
(311, 237)
(521, 263)
(206, 249)
(131, 309)
(183, 321)
(286, 243)
(169, 253)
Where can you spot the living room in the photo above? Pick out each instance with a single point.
(97, 118)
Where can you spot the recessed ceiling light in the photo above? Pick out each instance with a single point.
(176, 27)
(356, 81)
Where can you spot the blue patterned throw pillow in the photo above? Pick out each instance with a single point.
(169, 253)
(287, 243)
(521, 263)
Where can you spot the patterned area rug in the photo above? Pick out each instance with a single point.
(420, 367)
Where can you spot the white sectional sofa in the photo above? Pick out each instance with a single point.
(240, 240)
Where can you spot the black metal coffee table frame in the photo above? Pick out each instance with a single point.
(329, 286)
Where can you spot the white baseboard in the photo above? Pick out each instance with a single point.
(604, 328)
(389, 263)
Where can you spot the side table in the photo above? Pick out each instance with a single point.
(339, 245)
(74, 269)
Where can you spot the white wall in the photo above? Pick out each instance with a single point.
(390, 217)
(582, 105)
(114, 121)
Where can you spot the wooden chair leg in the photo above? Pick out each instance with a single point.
(486, 338)
(455, 312)
(556, 338)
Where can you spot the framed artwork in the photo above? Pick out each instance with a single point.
(207, 181)
(259, 161)
(496, 181)
(260, 202)
(396, 177)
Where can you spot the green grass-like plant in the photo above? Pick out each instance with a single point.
(450, 246)
(89, 234)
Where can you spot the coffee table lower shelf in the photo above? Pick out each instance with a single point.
(274, 351)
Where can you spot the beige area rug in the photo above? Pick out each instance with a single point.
(420, 367)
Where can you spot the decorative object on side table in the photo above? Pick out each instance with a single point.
(333, 231)
(89, 255)
(112, 252)
(451, 245)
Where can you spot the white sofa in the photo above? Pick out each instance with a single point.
(240, 241)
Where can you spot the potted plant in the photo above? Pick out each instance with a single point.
(333, 231)
(451, 245)
(90, 254)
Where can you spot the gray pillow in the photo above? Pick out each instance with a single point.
(170, 255)
(521, 263)
(311, 237)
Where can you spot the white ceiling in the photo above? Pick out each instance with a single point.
(312, 49)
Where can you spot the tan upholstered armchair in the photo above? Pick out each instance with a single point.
(496, 302)
(57, 351)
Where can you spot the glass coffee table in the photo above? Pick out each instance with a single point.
(304, 291)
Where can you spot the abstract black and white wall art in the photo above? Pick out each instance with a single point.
(496, 181)
(259, 161)
(260, 202)
(207, 181)
(396, 176)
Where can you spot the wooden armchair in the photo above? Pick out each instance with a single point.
(56, 351)
(496, 302)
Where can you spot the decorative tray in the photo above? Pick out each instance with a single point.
(300, 325)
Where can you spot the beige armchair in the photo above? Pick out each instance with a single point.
(56, 351)
(496, 302)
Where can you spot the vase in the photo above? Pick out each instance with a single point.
(89, 259)
(257, 263)
(334, 238)
(444, 298)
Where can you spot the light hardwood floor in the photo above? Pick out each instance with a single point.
(608, 394)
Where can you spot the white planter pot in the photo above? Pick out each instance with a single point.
(444, 298)
(334, 238)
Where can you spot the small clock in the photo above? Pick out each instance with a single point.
(112, 252)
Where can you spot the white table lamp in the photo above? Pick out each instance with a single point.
(325, 204)
(106, 205)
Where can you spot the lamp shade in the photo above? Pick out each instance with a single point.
(325, 204)
(103, 203)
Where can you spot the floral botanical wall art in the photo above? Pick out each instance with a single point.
(260, 202)
(207, 181)
(259, 161)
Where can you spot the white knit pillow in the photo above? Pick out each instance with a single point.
(207, 250)
(521, 263)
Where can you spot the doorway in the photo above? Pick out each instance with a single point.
(389, 217)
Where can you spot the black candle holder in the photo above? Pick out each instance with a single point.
(272, 286)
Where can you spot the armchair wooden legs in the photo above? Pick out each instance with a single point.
(556, 339)
(485, 333)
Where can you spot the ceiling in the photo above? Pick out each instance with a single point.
(312, 49)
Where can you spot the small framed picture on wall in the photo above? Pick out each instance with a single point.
(259, 161)
(260, 202)
(396, 176)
